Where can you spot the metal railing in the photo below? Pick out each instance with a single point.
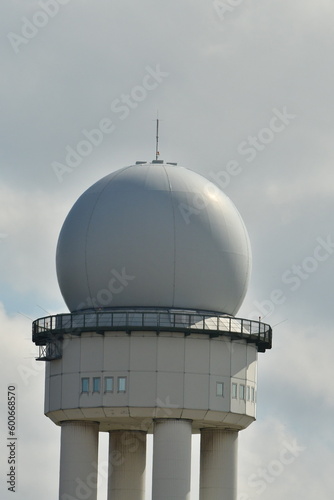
(50, 328)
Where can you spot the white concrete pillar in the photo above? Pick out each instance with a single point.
(171, 459)
(218, 469)
(127, 462)
(78, 460)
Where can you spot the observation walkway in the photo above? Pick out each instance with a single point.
(48, 332)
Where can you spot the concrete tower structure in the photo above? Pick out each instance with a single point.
(153, 262)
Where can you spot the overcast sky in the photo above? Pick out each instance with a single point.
(245, 95)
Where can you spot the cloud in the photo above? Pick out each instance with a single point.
(226, 77)
(275, 462)
(36, 437)
(31, 235)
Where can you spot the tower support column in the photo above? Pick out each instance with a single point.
(171, 459)
(78, 460)
(218, 469)
(127, 463)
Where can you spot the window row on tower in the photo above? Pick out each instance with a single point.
(245, 392)
(110, 385)
(119, 384)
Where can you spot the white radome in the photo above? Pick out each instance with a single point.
(154, 235)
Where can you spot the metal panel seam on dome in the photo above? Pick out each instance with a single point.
(174, 232)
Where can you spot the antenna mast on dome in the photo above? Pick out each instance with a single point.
(157, 139)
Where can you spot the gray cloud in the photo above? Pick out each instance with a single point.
(226, 76)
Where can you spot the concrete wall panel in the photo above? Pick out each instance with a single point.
(197, 355)
(116, 352)
(196, 391)
(143, 353)
(91, 353)
(171, 354)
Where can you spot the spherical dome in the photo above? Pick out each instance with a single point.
(153, 235)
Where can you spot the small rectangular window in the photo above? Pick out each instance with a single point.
(85, 384)
(234, 391)
(121, 384)
(242, 391)
(253, 394)
(109, 384)
(96, 384)
(248, 393)
(220, 389)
